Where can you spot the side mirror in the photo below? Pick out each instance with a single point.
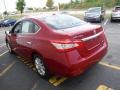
(7, 32)
(17, 31)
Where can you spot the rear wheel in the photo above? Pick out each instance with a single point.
(40, 66)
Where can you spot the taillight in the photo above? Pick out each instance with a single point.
(66, 46)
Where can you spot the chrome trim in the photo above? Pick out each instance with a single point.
(91, 37)
(94, 47)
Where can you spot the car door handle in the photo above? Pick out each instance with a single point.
(29, 43)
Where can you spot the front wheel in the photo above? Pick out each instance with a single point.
(40, 66)
(100, 20)
(111, 19)
(9, 48)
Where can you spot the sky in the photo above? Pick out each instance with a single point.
(11, 4)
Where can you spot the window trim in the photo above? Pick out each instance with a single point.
(13, 28)
(26, 33)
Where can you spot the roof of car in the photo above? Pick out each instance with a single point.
(40, 16)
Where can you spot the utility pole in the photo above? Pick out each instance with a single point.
(5, 7)
(58, 7)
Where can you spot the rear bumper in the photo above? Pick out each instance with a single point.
(78, 68)
(78, 65)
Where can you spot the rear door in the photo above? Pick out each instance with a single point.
(26, 37)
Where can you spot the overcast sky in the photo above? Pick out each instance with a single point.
(11, 4)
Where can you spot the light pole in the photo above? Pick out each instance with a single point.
(58, 7)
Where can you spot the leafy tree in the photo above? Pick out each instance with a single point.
(72, 1)
(20, 5)
(117, 2)
(76, 1)
(5, 13)
(49, 4)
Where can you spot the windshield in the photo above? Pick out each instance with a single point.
(62, 21)
(117, 8)
(94, 10)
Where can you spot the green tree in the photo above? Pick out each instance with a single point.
(76, 1)
(20, 5)
(71, 1)
(5, 13)
(117, 2)
(49, 4)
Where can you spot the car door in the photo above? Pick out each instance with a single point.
(13, 36)
(26, 37)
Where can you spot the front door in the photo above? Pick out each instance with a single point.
(25, 38)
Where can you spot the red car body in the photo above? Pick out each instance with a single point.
(87, 43)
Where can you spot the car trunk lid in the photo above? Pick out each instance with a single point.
(91, 35)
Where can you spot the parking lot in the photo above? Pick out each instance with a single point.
(17, 74)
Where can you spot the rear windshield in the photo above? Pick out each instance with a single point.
(62, 21)
(117, 8)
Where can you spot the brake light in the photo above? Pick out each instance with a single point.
(66, 46)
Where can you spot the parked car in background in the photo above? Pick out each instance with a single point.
(64, 12)
(115, 14)
(1, 22)
(95, 14)
(57, 44)
(8, 22)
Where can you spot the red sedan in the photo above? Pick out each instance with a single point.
(57, 44)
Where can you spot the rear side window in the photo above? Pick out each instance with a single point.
(62, 21)
(29, 27)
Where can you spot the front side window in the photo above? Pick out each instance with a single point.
(26, 27)
(17, 28)
(29, 27)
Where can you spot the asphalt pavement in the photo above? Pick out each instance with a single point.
(18, 74)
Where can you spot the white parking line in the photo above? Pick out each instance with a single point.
(2, 45)
(105, 22)
(4, 53)
(6, 69)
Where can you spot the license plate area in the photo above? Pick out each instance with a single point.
(93, 43)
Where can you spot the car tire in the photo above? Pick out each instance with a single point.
(9, 48)
(100, 20)
(111, 19)
(41, 67)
